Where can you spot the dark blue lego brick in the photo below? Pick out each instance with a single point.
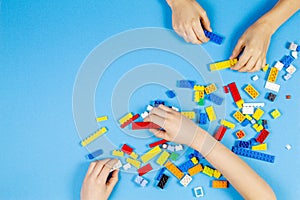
(197, 154)
(245, 122)
(287, 60)
(203, 118)
(215, 99)
(171, 94)
(298, 48)
(213, 37)
(95, 154)
(160, 173)
(243, 144)
(186, 84)
(253, 154)
(156, 103)
(184, 167)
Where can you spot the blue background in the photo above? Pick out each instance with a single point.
(42, 45)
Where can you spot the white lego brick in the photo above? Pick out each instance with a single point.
(149, 108)
(176, 109)
(144, 114)
(256, 105)
(291, 69)
(118, 165)
(164, 146)
(253, 121)
(127, 166)
(141, 181)
(272, 86)
(254, 78)
(198, 191)
(178, 147)
(185, 181)
(287, 76)
(279, 65)
(288, 146)
(248, 110)
(171, 148)
(294, 54)
(293, 46)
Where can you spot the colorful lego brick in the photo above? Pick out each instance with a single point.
(251, 91)
(288, 96)
(95, 154)
(163, 181)
(275, 113)
(243, 144)
(118, 153)
(171, 148)
(195, 170)
(159, 142)
(272, 86)
(226, 89)
(240, 134)
(163, 158)
(125, 118)
(291, 69)
(118, 165)
(186, 84)
(287, 76)
(262, 136)
(93, 137)
(133, 162)
(127, 149)
(140, 181)
(134, 155)
(102, 118)
(184, 167)
(213, 37)
(127, 166)
(211, 113)
(203, 118)
(198, 192)
(171, 94)
(294, 54)
(239, 103)
(208, 171)
(265, 68)
(178, 147)
(222, 65)
(219, 184)
(293, 46)
(189, 114)
(249, 110)
(151, 154)
(260, 147)
(227, 124)
(287, 60)
(198, 88)
(253, 154)
(156, 103)
(185, 181)
(245, 122)
(210, 88)
(174, 170)
(234, 92)
(217, 174)
(201, 102)
(273, 75)
(239, 116)
(257, 127)
(144, 114)
(174, 156)
(160, 173)
(278, 65)
(145, 169)
(220, 133)
(197, 154)
(258, 114)
(271, 96)
(194, 160)
(215, 99)
(144, 125)
(198, 95)
(288, 147)
(129, 121)
(254, 78)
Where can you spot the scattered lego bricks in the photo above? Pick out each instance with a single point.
(171, 94)
(127, 149)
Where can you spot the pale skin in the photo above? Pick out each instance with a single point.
(189, 19)
(177, 128)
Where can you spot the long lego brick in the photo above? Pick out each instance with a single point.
(234, 92)
(163, 158)
(135, 117)
(189, 114)
(195, 170)
(208, 171)
(151, 154)
(102, 118)
(127, 149)
(125, 118)
(144, 125)
(95, 154)
(262, 136)
(184, 167)
(215, 99)
(163, 181)
(211, 113)
(134, 162)
(253, 154)
(93, 137)
(159, 142)
(145, 169)
(220, 133)
(273, 75)
(227, 124)
(213, 37)
(174, 170)
(219, 184)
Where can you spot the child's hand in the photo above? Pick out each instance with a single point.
(95, 185)
(177, 127)
(187, 17)
(255, 42)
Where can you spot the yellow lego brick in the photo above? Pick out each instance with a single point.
(174, 170)
(275, 113)
(222, 65)
(133, 162)
(210, 88)
(217, 174)
(118, 153)
(211, 113)
(239, 116)
(248, 117)
(199, 87)
(196, 96)
(151, 154)
(125, 118)
(195, 170)
(189, 114)
(208, 171)
(239, 103)
(258, 114)
(251, 91)
(194, 160)
(163, 158)
(134, 155)
(265, 68)
(258, 127)
(102, 118)
(260, 147)
(219, 184)
(94, 136)
(227, 124)
(273, 75)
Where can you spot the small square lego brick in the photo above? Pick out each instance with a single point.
(194, 160)
(217, 174)
(240, 134)
(174, 156)
(163, 181)
(201, 102)
(258, 113)
(144, 114)
(149, 108)
(156, 103)
(248, 110)
(127, 166)
(203, 118)
(288, 96)
(140, 181)
(291, 69)
(95, 154)
(275, 113)
(294, 54)
(271, 96)
(293, 46)
(239, 103)
(178, 147)
(257, 127)
(287, 76)
(245, 122)
(171, 148)
(171, 94)
(198, 192)
(265, 68)
(287, 60)
(254, 78)
(243, 144)
(288, 147)
(226, 90)
(185, 181)
(279, 65)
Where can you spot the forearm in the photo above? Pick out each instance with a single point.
(280, 13)
(244, 179)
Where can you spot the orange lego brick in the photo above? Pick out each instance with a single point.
(195, 170)
(174, 170)
(219, 184)
(239, 116)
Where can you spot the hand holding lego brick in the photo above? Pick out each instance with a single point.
(96, 184)
(186, 15)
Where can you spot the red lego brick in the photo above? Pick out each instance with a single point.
(234, 92)
(130, 120)
(127, 149)
(144, 125)
(145, 169)
(262, 136)
(220, 133)
(226, 89)
(157, 143)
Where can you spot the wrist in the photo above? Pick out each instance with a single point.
(198, 139)
(269, 25)
(171, 3)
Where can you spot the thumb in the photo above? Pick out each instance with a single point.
(112, 181)
(237, 49)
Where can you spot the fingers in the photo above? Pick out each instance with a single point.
(159, 133)
(156, 120)
(205, 21)
(165, 108)
(199, 31)
(113, 180)
(159, 112)
(102, 177)
(257, 66)
(99, 166)
(250, 65)
(91, 168)
(191, 34)
(237, 49)
(242, 61)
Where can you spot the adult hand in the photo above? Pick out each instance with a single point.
(95, 185)
(187, 17)
(254, 43)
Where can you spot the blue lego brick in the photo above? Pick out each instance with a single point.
(186, 84)
(243, 144)
(171, 94)
(160, 173)
(191, 155)
(198, 155)
(253, 142)
(213, 37)
(287, 60)
(203, 118)
(215, 99)
(156, 103)
(245, 122)
(298, 48)
(184, 167)
(95, 154)
(253, 154)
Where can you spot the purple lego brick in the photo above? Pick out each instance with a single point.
(213, 37)
(253, 154)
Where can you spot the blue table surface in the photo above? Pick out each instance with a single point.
(42, 46)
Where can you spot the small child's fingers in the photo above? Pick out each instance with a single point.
(91, 168)
(257, 66)
(159, 133)
(205, 21)
(191, 35)
(250, 65)
(103, 175)
(237, 49)
(99, 166)
(159, 112)
(157, 120)
(242, 62)
(165, 108)
(199, 31)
